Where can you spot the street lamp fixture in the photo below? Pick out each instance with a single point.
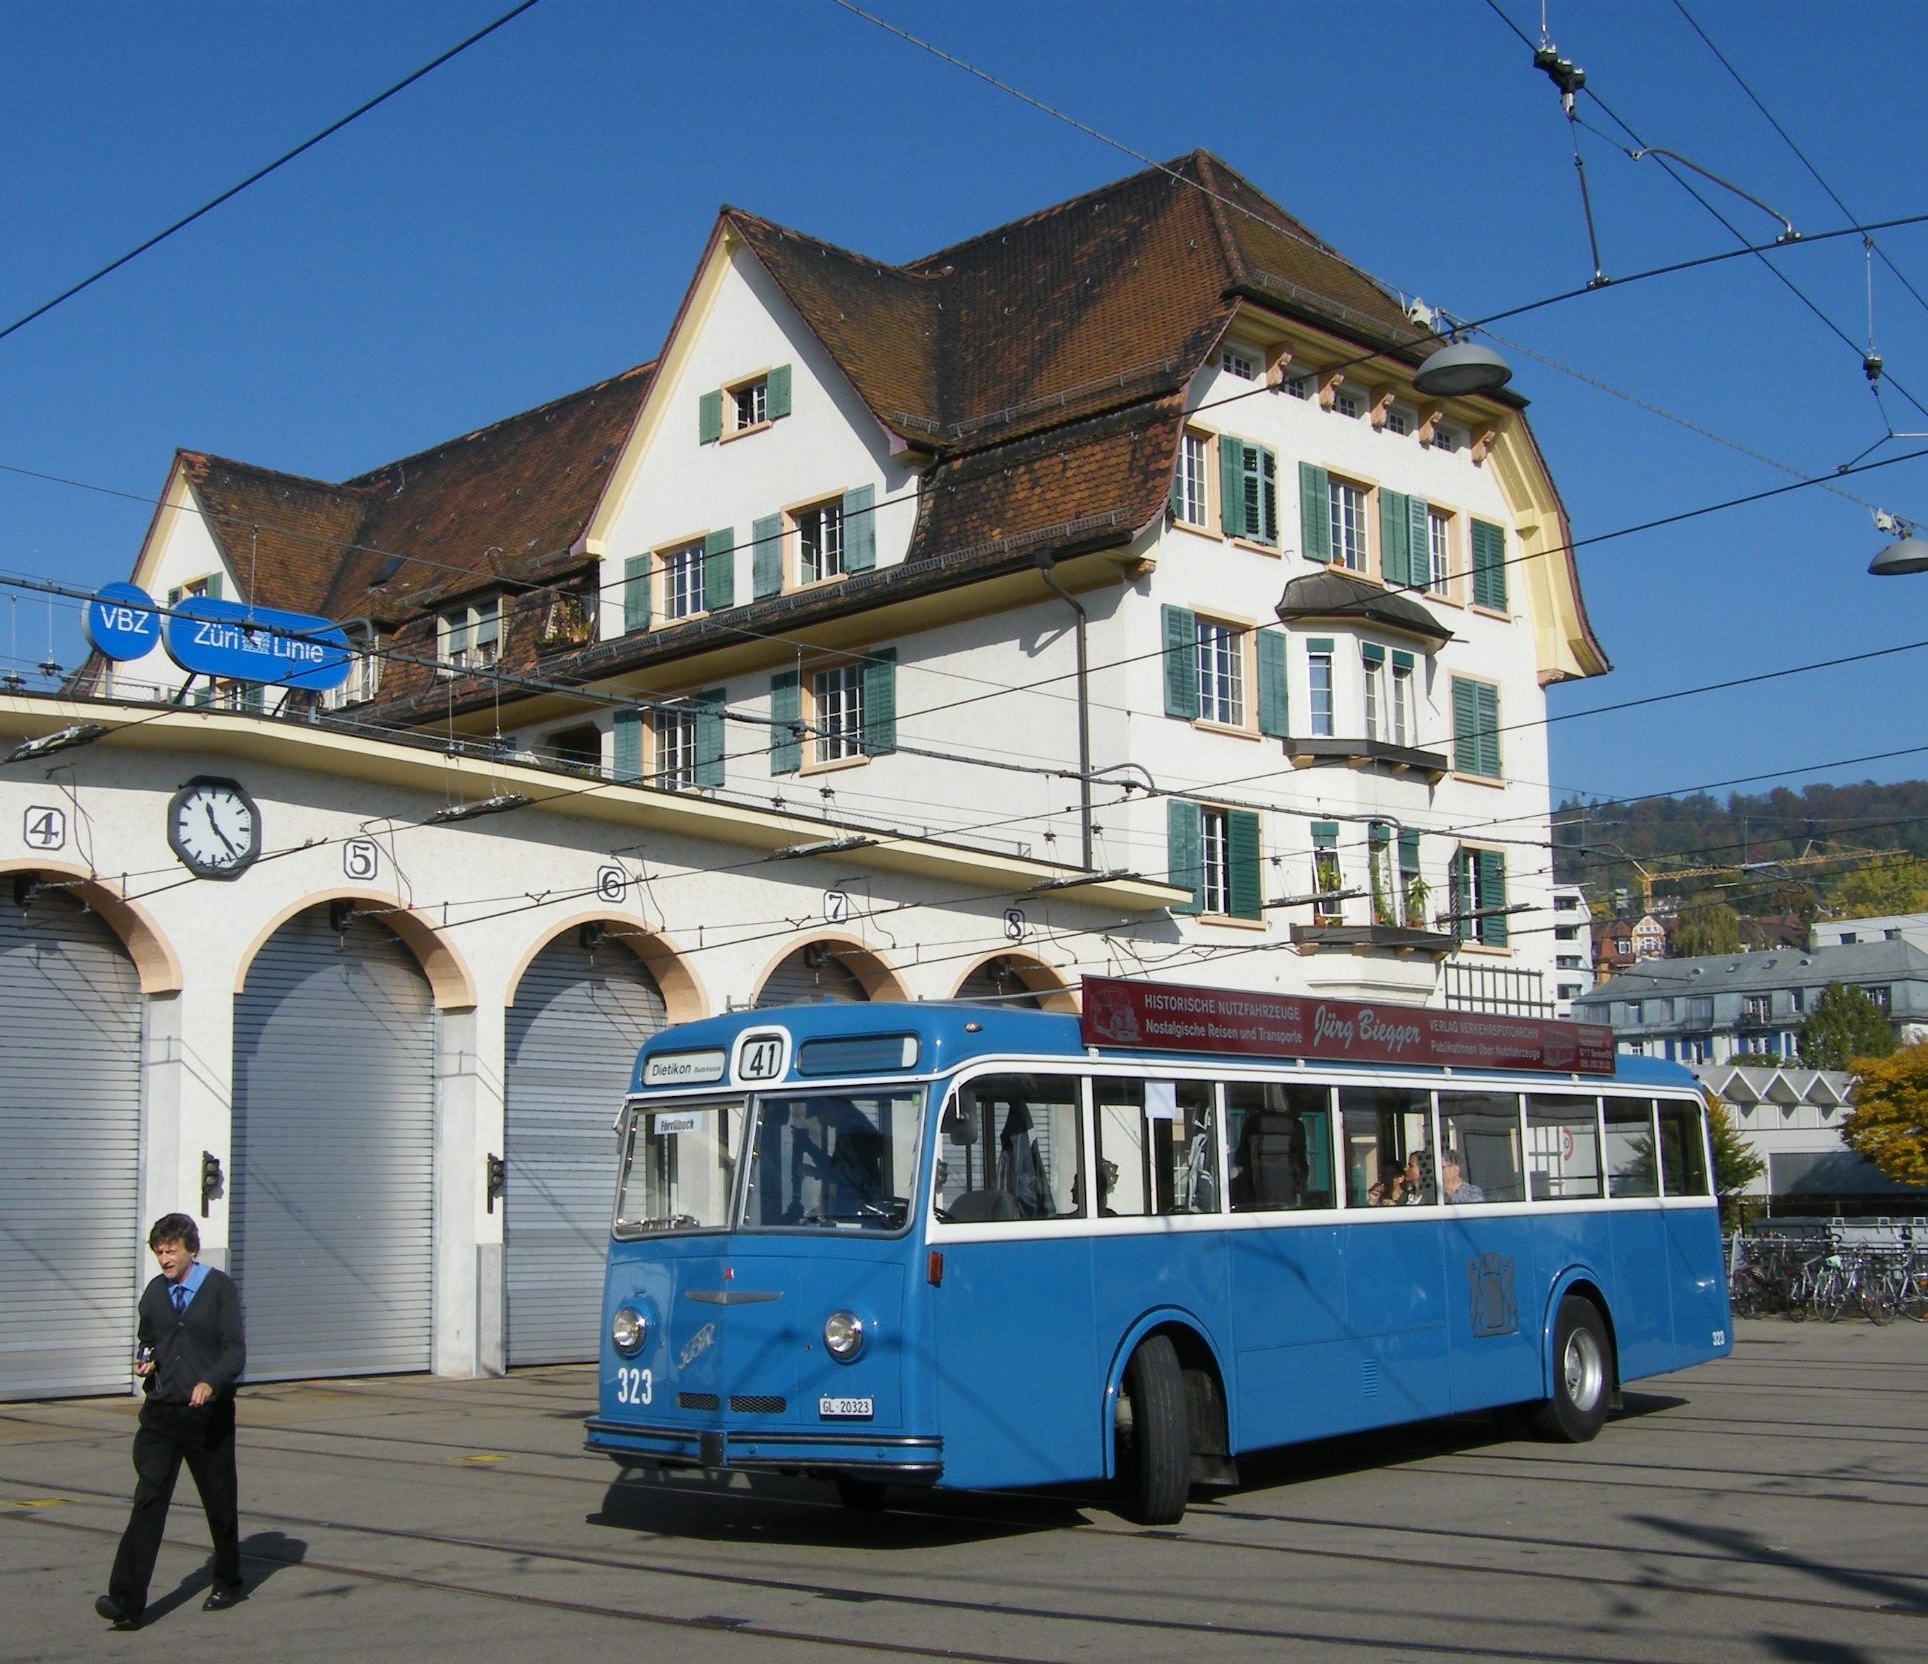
(1462, 368)
(1908, 554)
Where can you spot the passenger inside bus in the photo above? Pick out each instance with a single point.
(1453, 1187)
(1388, 1190)
(840, 1154)
(1268, 1164)
(1419, 1179)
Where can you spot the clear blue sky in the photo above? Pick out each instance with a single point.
(524, 221)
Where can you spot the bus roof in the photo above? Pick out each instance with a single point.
(952, 1033)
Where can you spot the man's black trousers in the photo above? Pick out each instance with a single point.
(170, 1434)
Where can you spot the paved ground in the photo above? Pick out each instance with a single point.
(1767, 1507)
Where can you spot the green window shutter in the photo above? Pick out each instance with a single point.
(628, 733)
(1274, 713)
(1267, 530)
(1466, 747)
(174, 596)
(719, 570)
(766, 555)
(213, 590)
(1395, 537)
(1242, 833)
(1325, 834)
(635, 594)
(786, 717)
(1372, 652)
(1315, 512)
(1231, 495)
(777, 393)
(1408, 850)
(860, 529)
(1181, 663)
(880, 702)
(1489, 729)
(1492, 893)
(1419, 553)
(1401, 661)
(1489, 566)
(708, 706)
(254, 698)
(709, 417)
(1184, 852)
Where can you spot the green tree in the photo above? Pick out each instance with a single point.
(1736, 1165)
(1707, 927)
(1844, 1024)
(1889, 1122)
(1898, 884)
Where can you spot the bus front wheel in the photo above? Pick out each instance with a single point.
(1582, 1375)
(1154, 1435)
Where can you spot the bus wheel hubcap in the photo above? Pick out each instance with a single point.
(1584, 1369)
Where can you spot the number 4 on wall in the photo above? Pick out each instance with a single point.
(44, 828)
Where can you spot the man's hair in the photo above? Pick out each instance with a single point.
(175, 1227)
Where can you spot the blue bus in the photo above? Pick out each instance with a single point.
(971, 1247)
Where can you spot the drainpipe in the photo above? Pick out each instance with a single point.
(1045, 562)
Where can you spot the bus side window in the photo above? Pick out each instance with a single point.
(1281, 1146)
(1157, 1147)
(1683, 1150)
(1388, 1127)
(1008, 1149)
(1483, 1130)
(1630, 1147)
(1562, 1148)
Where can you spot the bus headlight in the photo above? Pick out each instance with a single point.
(843, 1335)
(628, 1329)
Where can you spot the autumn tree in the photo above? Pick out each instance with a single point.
(1736, 1165)
(1844, 1024)
(1889, 1122)
(1898, 884)
(1707, 927)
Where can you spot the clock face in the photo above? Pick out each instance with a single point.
(214, 827)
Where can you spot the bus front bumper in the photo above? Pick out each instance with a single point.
(902, 1461)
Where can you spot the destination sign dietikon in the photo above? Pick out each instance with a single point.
(1164, 1016)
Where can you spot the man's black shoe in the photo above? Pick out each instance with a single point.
(220, 1598)
(107, 1607)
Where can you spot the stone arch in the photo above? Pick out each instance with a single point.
(683, 997)
(1032, 974)
(449, 980)
(155, 961)
(878, 980)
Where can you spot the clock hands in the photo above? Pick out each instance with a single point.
(214, 826)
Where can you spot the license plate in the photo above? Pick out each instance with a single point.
(846, 1407)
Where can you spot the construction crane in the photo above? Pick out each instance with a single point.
(1740, 871)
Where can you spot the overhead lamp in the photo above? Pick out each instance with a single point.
(1078, 880)
(825, 846)
(1908, 554)
(1460, 368)
(496, 805)
(81, 733)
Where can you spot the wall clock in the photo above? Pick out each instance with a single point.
(213, 827)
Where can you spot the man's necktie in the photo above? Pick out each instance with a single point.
(179, 1294)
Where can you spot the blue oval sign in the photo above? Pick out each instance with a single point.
(120, 622)
(258, 644)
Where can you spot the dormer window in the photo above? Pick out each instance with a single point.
(743, 406)
(751, 403)
(1242, 362)
(470, 637)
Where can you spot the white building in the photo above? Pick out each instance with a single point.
(1572, 928)
(1099, 594)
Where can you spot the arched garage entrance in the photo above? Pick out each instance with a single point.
(70, 1132)
(333, 1169)
(829, 969)
(582, 1008)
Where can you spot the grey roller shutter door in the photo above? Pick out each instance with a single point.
(798, 982)
(333, 1166)
(579, 1017)
(70, 1128)
(997, 984)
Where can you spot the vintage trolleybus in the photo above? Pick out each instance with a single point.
(969, 1247)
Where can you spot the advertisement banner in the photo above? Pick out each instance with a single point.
(1163, 1016)
(258, 644)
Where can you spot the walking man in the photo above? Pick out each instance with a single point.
(191, 1355)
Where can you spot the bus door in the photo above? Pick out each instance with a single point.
(1396, 1298)
(1489, 1245)
(1286, 1285)
(1695, 1275)
(1018, 1382)
(1642, 1315)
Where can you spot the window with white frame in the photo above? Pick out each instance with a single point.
(1221, 673)
(1349, 401)
(1318, 665)
(1479, 903)
(683, 582)
(1373, 661)
(1301, 386)
(750, 404)
(1215, 861)
(1405, 730)
(1348, 520)
(1242, 362)
(1327, 878)
(1757, 1008)
(470, 638)
(837, 712)
(364, 681)
(1400, 420)
(1439, 549)
(1190, 491)
(1881, 994)
(820, 542)
(674, 732)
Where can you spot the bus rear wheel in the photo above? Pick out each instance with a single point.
(1154, 1435)
(1582, 1375)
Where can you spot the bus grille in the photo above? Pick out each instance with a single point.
(744, 1404)
(696, 1401)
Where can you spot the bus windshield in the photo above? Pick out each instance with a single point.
(844, 1159)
